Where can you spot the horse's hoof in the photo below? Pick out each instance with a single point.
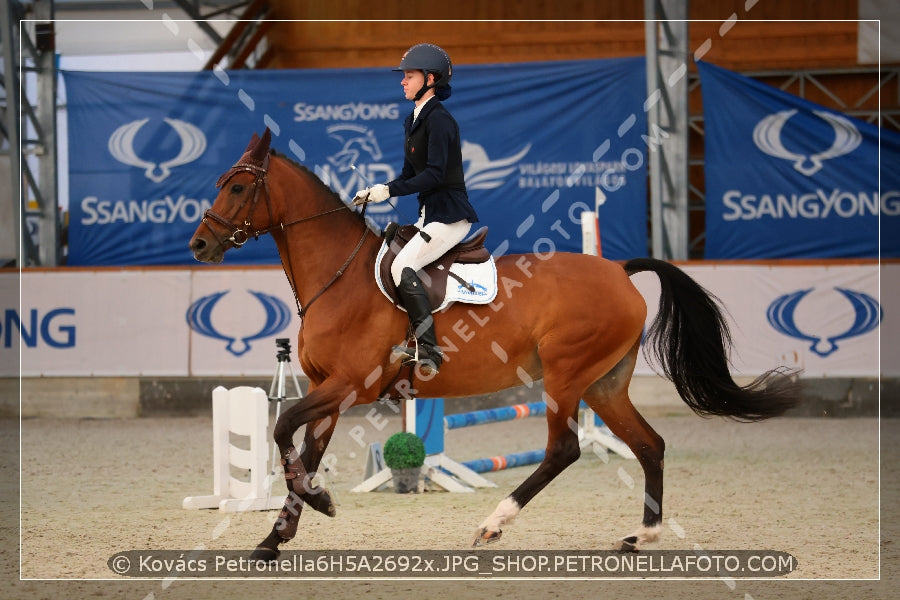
(627, 544)
(486, 537)
(320, 501)
(317, 498)
(265, 554)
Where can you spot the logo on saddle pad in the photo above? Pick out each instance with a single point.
(200, 319)
(466, 273)
(472, 290)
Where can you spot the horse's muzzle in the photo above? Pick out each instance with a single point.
(204, 251)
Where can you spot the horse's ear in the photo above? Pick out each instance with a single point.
(262, 146)
(253, 142)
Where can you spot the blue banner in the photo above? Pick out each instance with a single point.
(541, 143)
(786, 178)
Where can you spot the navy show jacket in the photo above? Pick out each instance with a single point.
(432, 166)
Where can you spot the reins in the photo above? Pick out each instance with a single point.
(337, 275)
(240, 236)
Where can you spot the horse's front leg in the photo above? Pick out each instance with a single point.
(319, 411)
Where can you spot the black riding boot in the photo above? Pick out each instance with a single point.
(415, 301)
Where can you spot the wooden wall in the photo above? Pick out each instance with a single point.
(324, 34)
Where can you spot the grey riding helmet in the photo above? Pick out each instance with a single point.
(429, 58)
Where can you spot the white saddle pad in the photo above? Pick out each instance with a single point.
(481, 276)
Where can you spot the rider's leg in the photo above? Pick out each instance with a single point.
(419, 252)
(415, 300)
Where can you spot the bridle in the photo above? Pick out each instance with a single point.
(239, 234)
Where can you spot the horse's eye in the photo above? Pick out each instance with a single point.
(237, 188)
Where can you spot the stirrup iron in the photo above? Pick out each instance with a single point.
(407, 356)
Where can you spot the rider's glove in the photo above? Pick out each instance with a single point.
(376, 193)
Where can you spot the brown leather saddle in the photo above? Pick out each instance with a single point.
(434, 276)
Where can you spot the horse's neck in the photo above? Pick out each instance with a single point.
(313, 248)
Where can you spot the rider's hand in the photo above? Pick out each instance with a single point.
(379, 193)
(376, 193)
(362, 196)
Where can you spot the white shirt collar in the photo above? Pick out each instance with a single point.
(419, 108)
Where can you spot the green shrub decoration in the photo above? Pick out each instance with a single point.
(404, 450)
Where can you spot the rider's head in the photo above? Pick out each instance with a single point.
(431, 60)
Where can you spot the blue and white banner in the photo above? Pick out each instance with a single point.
(827, 319)
(542, 142)
(786, 178)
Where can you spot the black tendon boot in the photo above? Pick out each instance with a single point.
(415, 301)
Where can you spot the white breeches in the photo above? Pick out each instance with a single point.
(418, 253)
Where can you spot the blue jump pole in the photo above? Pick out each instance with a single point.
(494, 415)
(429, 416)
(508, 461)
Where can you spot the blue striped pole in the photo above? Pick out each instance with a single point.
(494, 415)
(498, 463)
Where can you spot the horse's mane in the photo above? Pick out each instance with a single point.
(321, 184)
(307, 171)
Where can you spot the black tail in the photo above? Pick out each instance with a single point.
(690, 340)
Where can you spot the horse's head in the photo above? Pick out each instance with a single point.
(234, 217)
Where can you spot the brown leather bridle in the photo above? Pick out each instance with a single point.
(239, 234)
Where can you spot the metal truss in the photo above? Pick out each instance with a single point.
(244, 46)
(29, 128)
(666, 33)
(28, 108)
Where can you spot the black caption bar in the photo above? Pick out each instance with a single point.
(368, 564)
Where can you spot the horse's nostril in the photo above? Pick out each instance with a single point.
(198, 244)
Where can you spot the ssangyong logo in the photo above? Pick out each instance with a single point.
(200, 318)
(121, 146)
(767, 137)
(866, 311)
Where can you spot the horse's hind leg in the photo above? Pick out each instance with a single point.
(608, 397)
(562, 450)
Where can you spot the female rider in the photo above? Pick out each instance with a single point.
(432, 167)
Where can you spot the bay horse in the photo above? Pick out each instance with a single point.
(573, 320)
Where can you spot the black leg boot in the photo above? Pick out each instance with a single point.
(415, 301)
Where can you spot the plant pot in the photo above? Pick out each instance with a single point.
(406, 480)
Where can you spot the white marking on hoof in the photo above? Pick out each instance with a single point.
(504, 514)
(648, 534)
(636, 541)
